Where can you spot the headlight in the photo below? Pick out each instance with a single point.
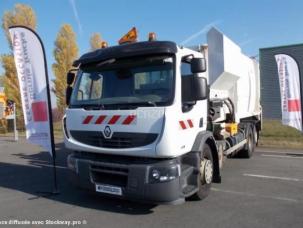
(164, 174)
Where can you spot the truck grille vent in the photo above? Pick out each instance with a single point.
(108, 169)
(112, 175)
(118, 140)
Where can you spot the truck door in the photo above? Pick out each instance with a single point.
(185, 119)
(194, 113)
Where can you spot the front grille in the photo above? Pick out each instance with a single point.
(118, 139)
(111, 175)
(108, 169)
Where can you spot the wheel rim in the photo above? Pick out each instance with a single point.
(206, 171)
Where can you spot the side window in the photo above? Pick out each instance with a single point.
(90, 87)
(185, 69)
(186, 86)
(96, 89)
(83, 92)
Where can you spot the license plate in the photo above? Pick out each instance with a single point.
(109, 189)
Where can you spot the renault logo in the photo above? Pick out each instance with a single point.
(107, 132)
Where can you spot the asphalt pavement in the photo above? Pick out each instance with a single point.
(264, 191)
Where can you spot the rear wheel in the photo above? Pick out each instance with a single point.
(205, 176)
(249, 148)
(257, 135)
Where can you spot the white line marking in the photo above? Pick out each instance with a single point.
(271, 151)
(256, 195)
(280, 151)
(280, 156)
(47, 165)
(271, 177)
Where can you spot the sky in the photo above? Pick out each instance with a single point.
(251, 24)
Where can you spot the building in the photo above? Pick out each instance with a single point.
(270, 88)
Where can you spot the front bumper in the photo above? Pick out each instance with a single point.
(133, 175)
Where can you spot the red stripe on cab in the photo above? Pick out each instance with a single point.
(100, 119)
(182, 124)
(190, 123)
(129, 119)
(87, 119)
(114, 119)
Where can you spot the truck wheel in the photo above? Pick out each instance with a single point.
(249, 148)
(256, 133)
(205, 176)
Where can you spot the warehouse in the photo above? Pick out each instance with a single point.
(270, 90)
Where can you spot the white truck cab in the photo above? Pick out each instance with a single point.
(142, 125)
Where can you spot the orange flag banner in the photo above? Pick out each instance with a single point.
(129, 37)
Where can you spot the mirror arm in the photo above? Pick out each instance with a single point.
(188, 105)
(186, 58)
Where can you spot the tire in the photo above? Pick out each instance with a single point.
(204, 182)
(257, 135)
(249, 147)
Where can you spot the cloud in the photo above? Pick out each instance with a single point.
(202, 31)
(76, 15)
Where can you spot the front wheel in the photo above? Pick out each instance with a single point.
(205, 176)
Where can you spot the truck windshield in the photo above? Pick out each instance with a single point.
(144, 81)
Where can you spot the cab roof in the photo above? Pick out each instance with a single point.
(128, 50)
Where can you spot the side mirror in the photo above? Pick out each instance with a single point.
(201, 89)
(194, 88)
(198, 65)
(68, 94)
(70, 78)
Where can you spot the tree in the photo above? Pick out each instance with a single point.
(95, 41)
(10, 81)
(65, 52)
(20, 15)
(1, 80)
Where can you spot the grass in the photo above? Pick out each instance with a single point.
(273, 134)
(57, 131)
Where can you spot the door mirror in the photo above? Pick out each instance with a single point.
(68, 94)
(198, 65)
(200, 87)
(70, 78)
(194, 88)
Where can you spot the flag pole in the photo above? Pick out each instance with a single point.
(301, 96)
(51, 127)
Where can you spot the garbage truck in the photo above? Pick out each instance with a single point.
(152, 121)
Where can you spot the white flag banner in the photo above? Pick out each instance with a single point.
(32, 75)
(289, 79)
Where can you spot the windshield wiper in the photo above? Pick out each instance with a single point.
(131, 104)
(126, 105)
(151, 103)
(93, 106)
